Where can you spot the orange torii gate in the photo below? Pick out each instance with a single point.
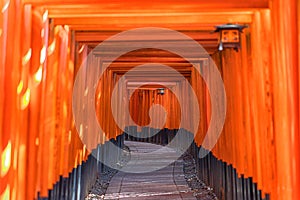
(40, 57)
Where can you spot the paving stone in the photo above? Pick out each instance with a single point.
(166, 183)
(142, 178)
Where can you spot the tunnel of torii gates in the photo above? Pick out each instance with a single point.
(45, 42)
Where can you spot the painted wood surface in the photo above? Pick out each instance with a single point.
(40, 59)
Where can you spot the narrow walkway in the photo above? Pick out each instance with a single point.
(137, 181)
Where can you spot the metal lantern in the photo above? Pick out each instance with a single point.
(161, 91)
(230, 36)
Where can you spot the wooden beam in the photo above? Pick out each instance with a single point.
(99, 36)
(155, 59)
(152, 72)
(158, 73)
(87, 10)
(156, 4)
(136, 83)
(93, 27)
(188, 51)
(153, 67)
(180, 21)
(208, 49)
(155, 79)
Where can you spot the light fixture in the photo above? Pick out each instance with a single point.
(161, 91)
(230, 36)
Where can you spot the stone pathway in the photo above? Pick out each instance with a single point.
(142, 178)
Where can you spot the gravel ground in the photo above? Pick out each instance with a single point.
(201, 191)
(98, 190)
